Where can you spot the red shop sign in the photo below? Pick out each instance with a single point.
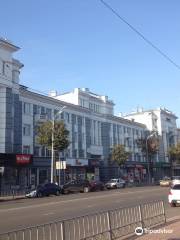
(23, 158)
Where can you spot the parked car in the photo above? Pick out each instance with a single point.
(83, 186)
(76, 186)
(175, 180)
(115, 183)
(165, 182)
(174, 195)
(96, 185)
(44, 190)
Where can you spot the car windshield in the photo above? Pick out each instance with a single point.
(113, 180)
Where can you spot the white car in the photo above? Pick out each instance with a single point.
(115, 183)
(174, 195)
(175, 180)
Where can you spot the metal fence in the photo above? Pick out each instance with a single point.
(12, 193)
(107, 225)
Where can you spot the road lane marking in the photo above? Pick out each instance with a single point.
(75, 200)
(47, 214)
(89, 206)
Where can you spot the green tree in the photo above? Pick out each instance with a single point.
(174, 152)
(61, 135)
(151, 144)
(119, 154)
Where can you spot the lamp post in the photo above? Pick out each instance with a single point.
(52, 140)
(147, 156)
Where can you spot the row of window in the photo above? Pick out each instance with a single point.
(92, 106)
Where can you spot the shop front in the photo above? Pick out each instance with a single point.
(176, 169)
(160, 170)
(16, 172)
(136, 172)
(93, 169)
(75, 169)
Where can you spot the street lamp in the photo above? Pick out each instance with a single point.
(52, 140)
(147, 155)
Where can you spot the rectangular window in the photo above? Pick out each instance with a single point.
(26, 149)
(74, 120)
(43, 110)
(27, 108)
(67, 117)
(43, 152)
(48, 113)
(36, 151)
(48, 153)
(74, 153)
(75, 137)
(26, 130)
(91, 106)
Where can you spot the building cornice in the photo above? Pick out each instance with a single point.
(24, 92)
(8, 45)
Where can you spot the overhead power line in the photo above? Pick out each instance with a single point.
(140, 34)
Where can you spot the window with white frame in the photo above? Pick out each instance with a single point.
(26, 130)
(27, 108)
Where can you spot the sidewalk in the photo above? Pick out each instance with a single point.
(10, 198)
(171, 231)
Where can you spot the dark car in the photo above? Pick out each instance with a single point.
(96, 185)
(45, 190)
(76, 186)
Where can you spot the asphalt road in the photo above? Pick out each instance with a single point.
(27, 212)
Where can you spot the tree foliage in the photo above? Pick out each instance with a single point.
(174, 152)
(119, 154)
(151, 145)
(61, 134)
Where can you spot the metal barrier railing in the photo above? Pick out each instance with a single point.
(12, 193)
(107, 225)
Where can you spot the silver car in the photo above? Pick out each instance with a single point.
(115, 183)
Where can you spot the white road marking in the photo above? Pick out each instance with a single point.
(47, 214)
(76, 199)
(89, 206)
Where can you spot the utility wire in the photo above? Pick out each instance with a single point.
(140, 34)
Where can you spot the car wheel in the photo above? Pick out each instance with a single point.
(65, 191)
(172, 204)
(39, 194)
(123, 185)
(86, 189)
(57, 193)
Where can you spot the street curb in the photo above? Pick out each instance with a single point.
(7, 199)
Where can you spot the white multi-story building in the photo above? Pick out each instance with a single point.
(86, 99)
(162, 121)
(89, 117)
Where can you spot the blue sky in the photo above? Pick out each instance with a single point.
(79, 43)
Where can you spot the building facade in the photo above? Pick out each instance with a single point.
(163, 122)
(93, 127)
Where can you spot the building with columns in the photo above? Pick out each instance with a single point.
(90, 119)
